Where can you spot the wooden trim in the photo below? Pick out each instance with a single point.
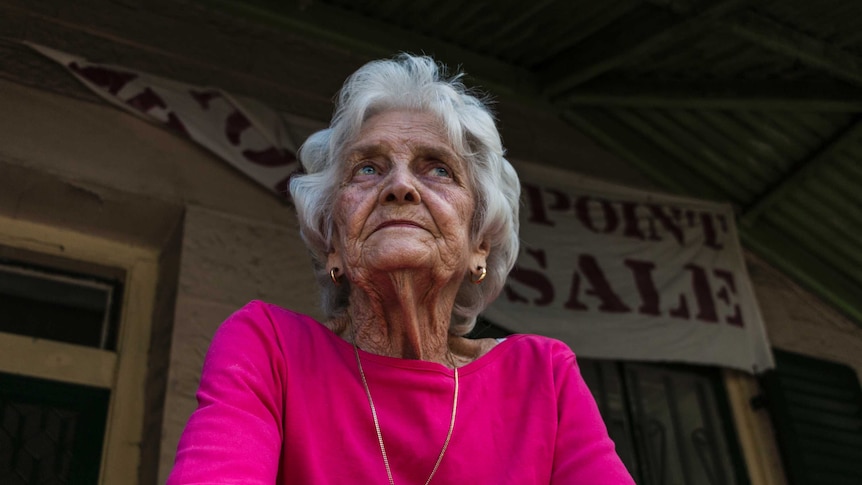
(374, 38)
(746, 96)
(608, 50)
(70, 244)
(56, 361)
(801, 47)
(126, 411)
(754, 430)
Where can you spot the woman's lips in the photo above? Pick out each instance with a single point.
(398, 223)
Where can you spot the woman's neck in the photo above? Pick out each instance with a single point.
(400, 315)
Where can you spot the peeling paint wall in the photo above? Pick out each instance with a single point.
(227, 261)
(797, 321)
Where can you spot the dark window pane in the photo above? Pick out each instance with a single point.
(68, 309)
(680, 428)
(50, 432)
(604, 381)
(668, 423)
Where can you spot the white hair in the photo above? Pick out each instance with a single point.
(415, 83)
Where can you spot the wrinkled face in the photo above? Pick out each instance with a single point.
(405, 200)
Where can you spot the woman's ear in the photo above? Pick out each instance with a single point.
(333, 255)
(479, 257)
(335, 267)
(333, 260)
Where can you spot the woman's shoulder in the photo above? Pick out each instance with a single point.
(270, 310)
(539, 345)
(525, 351)
(264, 318)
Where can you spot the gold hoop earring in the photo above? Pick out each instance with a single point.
(333, 277)
(483, 273)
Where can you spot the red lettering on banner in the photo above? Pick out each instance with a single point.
(707, 221)
(234, 125)
(630, 219)
(175, 124)
(535, 204)
(204, 97)
(631, 223)
(110, 80)
(681, 309)
(270, 157)
(703, 294)
(147, 100)
(609, 219)
(670, 222)
(589, 280)
(599, 287)
(237, 123)
(724, 295)
(642, 272)
(533, 279)
(113, 81)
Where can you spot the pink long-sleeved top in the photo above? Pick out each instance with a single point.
(281, 402)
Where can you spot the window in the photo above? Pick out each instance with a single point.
(75, 320)
(43, 302)
(52, 431)
(670, 423)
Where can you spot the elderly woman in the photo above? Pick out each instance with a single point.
(410, 213)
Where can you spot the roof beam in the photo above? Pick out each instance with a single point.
(809, 50)
(630, 39)
(739, 96)
(374, 38)
(802, 171)
(642, 152)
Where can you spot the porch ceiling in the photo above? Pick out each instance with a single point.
(757, 103)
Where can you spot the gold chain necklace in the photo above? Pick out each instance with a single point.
(377, 423)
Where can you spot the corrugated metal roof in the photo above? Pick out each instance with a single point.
(753, 102)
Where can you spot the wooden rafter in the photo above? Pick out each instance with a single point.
(375, 38)
(802, 171)
(628, 40)
(642, 151)
(736, 95)
(813, 52)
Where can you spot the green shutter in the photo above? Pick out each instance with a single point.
(816, 408)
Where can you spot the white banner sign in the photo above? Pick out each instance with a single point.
(250, 136)
(620, 273)
(616, 273)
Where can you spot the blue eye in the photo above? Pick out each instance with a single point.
(366, 170)
(441, 172)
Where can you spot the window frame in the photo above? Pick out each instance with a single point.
(124, 371)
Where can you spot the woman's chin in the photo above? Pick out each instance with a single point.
(401, 257)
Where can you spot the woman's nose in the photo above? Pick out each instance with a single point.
(400, 188)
